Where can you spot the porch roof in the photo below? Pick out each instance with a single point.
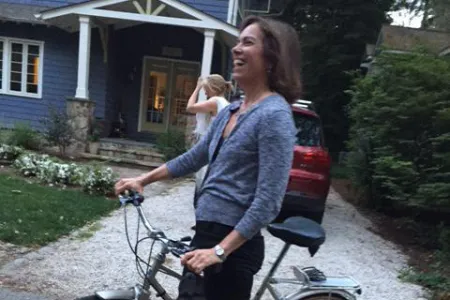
(22, 13)
(124, 13)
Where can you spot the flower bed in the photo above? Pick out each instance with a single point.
(92, 179)
(9, 153)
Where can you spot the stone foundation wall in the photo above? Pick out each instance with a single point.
(81, 114)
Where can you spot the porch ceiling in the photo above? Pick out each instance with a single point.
(126, 13)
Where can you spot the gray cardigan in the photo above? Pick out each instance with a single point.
(248, 179)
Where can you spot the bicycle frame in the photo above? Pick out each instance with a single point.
(345, 287)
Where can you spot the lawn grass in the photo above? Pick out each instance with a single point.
(32, 214)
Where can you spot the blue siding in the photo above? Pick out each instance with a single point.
(215, 8)
(44, 3)
(59, 74)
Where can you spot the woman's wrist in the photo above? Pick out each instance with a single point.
(144, 179)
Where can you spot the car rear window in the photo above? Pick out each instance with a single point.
(308, 130)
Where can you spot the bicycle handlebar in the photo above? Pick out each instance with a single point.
(176, 247)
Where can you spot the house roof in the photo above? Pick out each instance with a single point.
(174, 12)
(405, 38)
(20, 13)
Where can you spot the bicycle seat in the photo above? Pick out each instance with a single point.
(298, 231)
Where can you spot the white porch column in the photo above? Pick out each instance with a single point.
(208, 49)
(84, 51)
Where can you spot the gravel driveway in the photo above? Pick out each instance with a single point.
(74, 266)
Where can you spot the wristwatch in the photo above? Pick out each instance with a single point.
(220, 252)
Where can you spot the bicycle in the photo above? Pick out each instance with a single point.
(312, 283)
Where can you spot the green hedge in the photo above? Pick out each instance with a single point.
(400, 132)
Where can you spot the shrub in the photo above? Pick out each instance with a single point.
(400, 127)
(97, 180)
(57, 129)
(171, 144)
(49, 170)
(96, 130)
(94, 180)
(22, 135)
(9, 153)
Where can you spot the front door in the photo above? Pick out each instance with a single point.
(166, 88)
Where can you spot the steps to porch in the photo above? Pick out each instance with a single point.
(127, 151)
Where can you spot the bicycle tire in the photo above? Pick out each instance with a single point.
(323, 297)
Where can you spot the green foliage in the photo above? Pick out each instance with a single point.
(9, 153)
(3, 135)
(171, 144)
(95, 130)
(433, 280)
(93, 179)
(57, 129)
(98, 180)
(401, 113)
(339, 171)
(400, 141)
(333, 36)
(22, 135)
(434, 13)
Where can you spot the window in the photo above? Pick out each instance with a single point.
(308, 130)
(21, 67)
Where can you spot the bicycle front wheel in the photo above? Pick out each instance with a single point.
(323, 297)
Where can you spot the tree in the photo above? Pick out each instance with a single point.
(435, 13)
(417, 7)
(402, 112)
(333, 36)
(441, 18)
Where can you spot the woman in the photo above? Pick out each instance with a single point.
(249, 148)
(215, 88)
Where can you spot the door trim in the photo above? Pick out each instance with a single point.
(145, 58)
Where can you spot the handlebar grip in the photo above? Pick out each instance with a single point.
(130, 196)
(186, 239)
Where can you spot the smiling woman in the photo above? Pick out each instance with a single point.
(248, 142)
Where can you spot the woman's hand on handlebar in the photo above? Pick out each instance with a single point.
(200, 259)
(134, 184)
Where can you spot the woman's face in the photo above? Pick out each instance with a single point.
(208, 91)
(248, 58)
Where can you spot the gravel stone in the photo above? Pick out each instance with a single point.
(74, 267)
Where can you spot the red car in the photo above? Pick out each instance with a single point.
(309, 180)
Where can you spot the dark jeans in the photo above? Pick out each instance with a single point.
(233, 279)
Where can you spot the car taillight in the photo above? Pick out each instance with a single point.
(310, 158)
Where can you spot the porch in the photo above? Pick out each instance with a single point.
(151, 77)
(154, 51)
(127, 151)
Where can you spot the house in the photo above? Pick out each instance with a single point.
(399, 39)
(139, 60)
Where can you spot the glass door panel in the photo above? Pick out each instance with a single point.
(185, 81)
(154, 104)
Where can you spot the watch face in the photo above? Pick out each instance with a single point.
(219, 251)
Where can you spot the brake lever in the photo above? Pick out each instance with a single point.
(178, 248)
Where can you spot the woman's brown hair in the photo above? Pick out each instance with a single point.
(282, 54)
